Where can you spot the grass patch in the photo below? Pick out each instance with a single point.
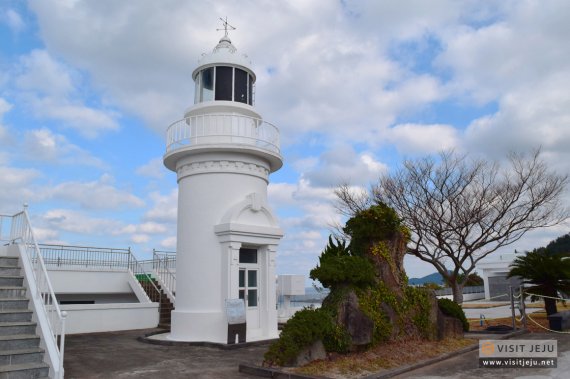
(484, 305)
(386, 356)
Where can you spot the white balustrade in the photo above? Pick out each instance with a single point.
(221, 128)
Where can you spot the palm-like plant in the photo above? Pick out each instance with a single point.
(543, 274)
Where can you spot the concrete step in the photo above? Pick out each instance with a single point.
(19, 341)
(9, 261)
(12, 292)
(15, 357)
(15, 281)
(10, 270)
(16, 315)
(13, 303)
(24, 371)
(12, 328)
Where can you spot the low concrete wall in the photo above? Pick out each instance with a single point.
(75, 281)
(90, 318)
(466, 296)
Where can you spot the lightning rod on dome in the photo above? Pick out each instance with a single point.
(226, 26)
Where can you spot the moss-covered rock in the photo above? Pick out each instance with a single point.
(370, 301)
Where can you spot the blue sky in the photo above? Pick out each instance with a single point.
(88, 88)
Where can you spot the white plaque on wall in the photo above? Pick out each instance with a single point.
(235, 310)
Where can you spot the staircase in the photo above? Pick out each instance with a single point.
(20, 354)
(156, 294)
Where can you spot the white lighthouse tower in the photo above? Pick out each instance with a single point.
(223, 152)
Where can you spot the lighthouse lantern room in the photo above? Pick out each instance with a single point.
(223, 152)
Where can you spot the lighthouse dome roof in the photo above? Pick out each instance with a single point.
(225, 53)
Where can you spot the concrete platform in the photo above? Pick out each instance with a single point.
(121, 355)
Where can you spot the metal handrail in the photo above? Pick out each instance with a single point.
(222, 128)
(21, 230)
(146, 281)
(88, 257)
(163, 263)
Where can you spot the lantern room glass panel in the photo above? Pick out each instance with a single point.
(224, 80)
(207, 84)
(240, 87)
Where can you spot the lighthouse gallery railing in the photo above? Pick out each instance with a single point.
(222, 128)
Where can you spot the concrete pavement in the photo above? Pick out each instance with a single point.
(119, 355)
(467, 365)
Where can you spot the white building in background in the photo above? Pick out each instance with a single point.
(223, 152)
(494, 271)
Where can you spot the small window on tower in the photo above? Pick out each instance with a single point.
(247, 255)
(224, 83)
(240, 89)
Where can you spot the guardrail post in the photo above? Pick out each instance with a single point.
(62, 343)
(512, 306)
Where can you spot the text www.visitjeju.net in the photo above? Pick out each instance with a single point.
(517, 363)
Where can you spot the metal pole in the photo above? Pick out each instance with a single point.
(512, 306)
(523, 308)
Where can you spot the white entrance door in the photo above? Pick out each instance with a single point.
(249, 291)
(249, 288)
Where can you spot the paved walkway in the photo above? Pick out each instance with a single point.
(120, 355)
(496, 312)
(467, 365)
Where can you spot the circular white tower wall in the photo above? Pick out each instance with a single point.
(209, 185)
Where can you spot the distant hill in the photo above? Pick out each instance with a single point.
(431, 278)
(559, 245)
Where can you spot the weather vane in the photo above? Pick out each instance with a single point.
(226, 26)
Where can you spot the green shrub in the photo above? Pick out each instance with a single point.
(367, 227)
(452, 309)
(303, 329)
(338, 267)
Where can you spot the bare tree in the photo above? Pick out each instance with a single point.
(460, 210)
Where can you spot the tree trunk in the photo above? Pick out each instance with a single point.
(457, 292)
(550, 304)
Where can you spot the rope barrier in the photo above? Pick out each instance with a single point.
(547, 297)
(545, 328)
(506, 295)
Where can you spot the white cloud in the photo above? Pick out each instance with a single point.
(168, 243)
(47, 146)
(52, 89)
(144, 228)
(153, 169)
(140, 238)
(89, 122)
(343, 165)
(15, 187)
(164, 209)
(528, 118)
(424, 139)
(43, 74)
(94, 195)
(77, 222)
(13, 19)
(5, 107)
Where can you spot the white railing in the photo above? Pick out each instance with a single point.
(101, 258)
(164, 265)
(21, 233)
(222, 128)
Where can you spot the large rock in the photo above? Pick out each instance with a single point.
(448, 327)
(311, 353)
(359, 326)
